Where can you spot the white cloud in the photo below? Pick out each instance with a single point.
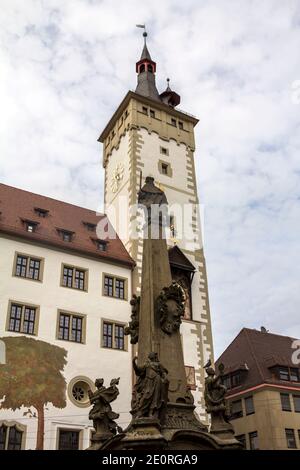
(65, 66)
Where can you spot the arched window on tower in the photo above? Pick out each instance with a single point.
(150, 68)
(142, 68)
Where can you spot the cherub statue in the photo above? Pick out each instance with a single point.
(101, 414)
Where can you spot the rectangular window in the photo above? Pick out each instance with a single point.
(284, 373)
(152, 113)
(253, 438)
(145, 110)
(113, 336)
(28, 267)
(21, 266)
(164, 151)
(114, 287)
(120, 288)
(31, 226)
(109, 286)
(249, 405)
(285, 402)
(180, 125)
(70, 327)
(290, 438)
(3, 434)
(41, 212)
(242, 439)
(296, 399)
(164, 168)
(68, 440)
(22, 319)
(294, 374)
(29, 319)
(101, 245)
(119, 336)
(236, 409)
(74, 278)
(190, 377)
(10, 438)
(173, 122)
(235, 379)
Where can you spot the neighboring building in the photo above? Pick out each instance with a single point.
(263, 390)
(148, 136)
(61, 285)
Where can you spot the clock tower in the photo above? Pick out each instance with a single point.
(148, 136)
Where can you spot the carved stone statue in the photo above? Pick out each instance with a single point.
(151, 389)
(133, 327)
(214, 396)
(170, 306)
(101, 414)
(152, 198)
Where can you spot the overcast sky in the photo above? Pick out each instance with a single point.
(66, 65)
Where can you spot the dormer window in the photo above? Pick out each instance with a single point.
(288, 374)
(66, 235)
(41, 212)
(101, 245)
(30, 225)
(90, 227)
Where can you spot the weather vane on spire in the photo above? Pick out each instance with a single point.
(143, 26)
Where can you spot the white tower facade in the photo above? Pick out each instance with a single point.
(148, 136)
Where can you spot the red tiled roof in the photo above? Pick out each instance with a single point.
(260, 351)
(17, 206)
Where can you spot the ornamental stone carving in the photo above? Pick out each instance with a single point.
(133, 327)
(170, 307)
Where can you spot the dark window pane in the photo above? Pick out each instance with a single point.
(15, 318)
(29, 319)
(284, 373)
(108, 286)
(119, 337)
(79, 279)
(21, 266)
(120, 288)
(242, 440)
(64, 326)
(235, 379)
(285, 402)
(34, 269)
(3, 433)
(249, 405)
(290, 438)
(14, 439)
(68, 277)
(294, 374)
(253, 438)
(107, 335)
(297, 403)
(76, 333)
(227, 382)
(101, 246)
(236, 409)
(68, 440)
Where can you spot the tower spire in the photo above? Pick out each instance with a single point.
(146, 69)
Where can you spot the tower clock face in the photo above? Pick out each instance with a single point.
(117, 177)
